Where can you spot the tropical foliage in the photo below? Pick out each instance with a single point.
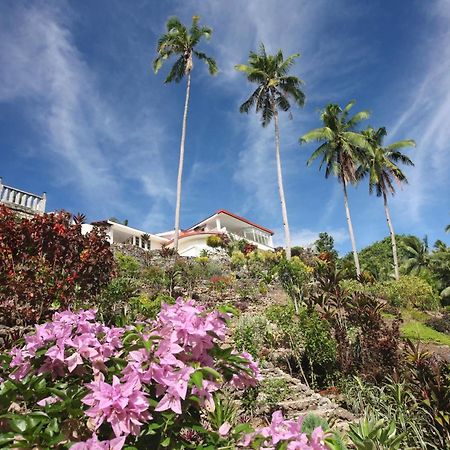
(46, 263)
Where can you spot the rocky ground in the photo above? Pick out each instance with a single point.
(302, 400)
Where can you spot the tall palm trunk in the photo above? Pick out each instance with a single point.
(392, 234)
(287, 235)
(350, 229)
(180, 164)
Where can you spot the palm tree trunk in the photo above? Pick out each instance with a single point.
(180, 164)
(287, 235)
(350, 229)
(391, 232)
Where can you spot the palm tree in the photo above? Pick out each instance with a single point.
(417, 254)
(447, 229)
(342, 150)
(275, 88)
(180, 41)
(382, 169)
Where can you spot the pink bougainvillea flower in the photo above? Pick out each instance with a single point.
(94, 444)
(48, 400)
(224, 429)
(123, 405)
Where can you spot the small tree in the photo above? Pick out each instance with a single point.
(325, 244)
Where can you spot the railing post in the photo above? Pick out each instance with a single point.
(42, 202)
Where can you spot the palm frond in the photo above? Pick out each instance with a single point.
(401, 144)
(177, 71)
(318, 134)
(286, 65)
(267, 111)
(322, 150)
(348, 106)
(173, 23)
(283, 102)
(248, 104)
(357, 118)
(212, 66)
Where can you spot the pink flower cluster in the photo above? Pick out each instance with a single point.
(281, 431)
(165, 354)
(73, 340)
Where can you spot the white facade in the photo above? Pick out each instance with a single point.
(193, 240)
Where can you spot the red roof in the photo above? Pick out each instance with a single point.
(242, 219)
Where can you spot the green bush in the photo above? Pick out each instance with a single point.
(294, 276)
(252, 334)
(238, 259)
(309, 338)
(273, 391)
(127, 266)
(113, 302)
(409, 291)
(150, 306)
(214, 241)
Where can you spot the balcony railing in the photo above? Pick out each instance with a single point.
(10, 195)
(238, 236)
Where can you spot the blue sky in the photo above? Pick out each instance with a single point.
(83, 117)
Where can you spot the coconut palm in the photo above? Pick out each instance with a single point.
(447, 229)
(275, 90)
(417, 254)
(181, 42)
(381, 167)
(342, 151)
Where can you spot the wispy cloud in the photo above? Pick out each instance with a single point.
(426, 119)
(87, 143)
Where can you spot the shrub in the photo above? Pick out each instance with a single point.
(127, 266)
(214, 241)
(294, 276)
(46, 263)
(149, 306)
(309, 339)
(408, 291)
(158, 384)
(252, 334)
(113, 302)
(141, 385)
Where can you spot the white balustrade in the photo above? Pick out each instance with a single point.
(25, 199)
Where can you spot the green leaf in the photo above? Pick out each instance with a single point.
(197, 378)
(19, 424)
(211, 371)
(165, 442)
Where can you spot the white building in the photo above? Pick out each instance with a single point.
(193, 240)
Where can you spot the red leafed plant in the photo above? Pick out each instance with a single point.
(45, 263)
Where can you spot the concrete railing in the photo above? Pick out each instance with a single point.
(25, 199)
